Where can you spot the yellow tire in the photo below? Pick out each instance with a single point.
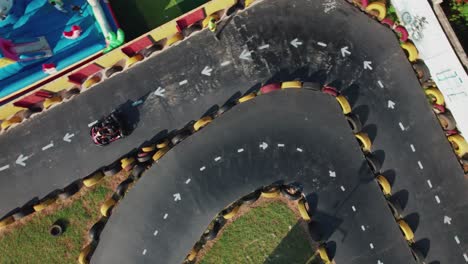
(93, 179)
(43, 204)
(248, 2)
(83, 258)
(274, 193)
(377, 9)
(435, 95)
(192, 255)
(246, 98)
(384, 185)
(127, 161)
(406, 230)
(302, 207)
(11, 121)
(207, 19)
(202, 123)
(459, 145)
(411, 50)
(90, 82)
(364, 141)
(4, 222)
(132, 60)
(232, 213)
(323, 254)
(175, 38)
(107, 206)
(162, 144)
(51, 101)
(291, 84)
(160, 153)
(345, 106)
(148, 148)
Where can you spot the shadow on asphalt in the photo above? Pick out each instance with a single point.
(371, 131)
(402, 197)
(413, 221)
(424, 245)
(362, 111)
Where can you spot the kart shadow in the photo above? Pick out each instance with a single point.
(130, 115)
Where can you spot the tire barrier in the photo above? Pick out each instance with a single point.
(411, 51)
(364, 141)
(377, 9)
(6, 221)
(43, 204)
(302, 206)
(354, 122)
(384, 185)
(112, 169)
(270, 88)
(395, 208)
(406, 231)
(291, 85)
(345, 106)
(323, 254)
(291, 192)
(435, 96)
(230, 211)
(272, 191)
(373, 163)
(96, 229)
(459, 145)
(137, 171)
(107, 206)
(85, 254)
(246, 98)
(160, 153)
(201, 123)
(91, 82)
(93, 179)
(447, 121)
(251, 197)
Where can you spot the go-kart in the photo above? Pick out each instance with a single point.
(108, 129)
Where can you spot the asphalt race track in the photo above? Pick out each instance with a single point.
(274, 40)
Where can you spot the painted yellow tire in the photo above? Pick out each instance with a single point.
(323, 254)
(231, 213)
(160, 153)
(377, 9)
(291, 84)
(51, 101)
(345, 106)
(127, 161)
(90, 82)
(384, 185)
(246, 98)
(132, 60)
(364, 141)
(43, 204)
(148, 148)
(83, 258)
(202, 123)
(302, 207)
(6, 221)
(107, 206)
(435, 96)
(248, 2)
(406, 230)
(93, 179)
(208, 18)
(175, 38)
(459, 145)
(162, 144)
(411, 50)
(11, 121)
(192, 255)
(274, 193)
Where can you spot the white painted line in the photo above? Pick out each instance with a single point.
(321, 44)
(380, 84)
(299, 149)
(371, 245)
(144, 251)
(217, 158)
(354, 208)
(343, 188)
(437, 199)
(413, 148)
(51, 144)
(165, 216)
(183, 82)
(92, 123)
(429, 183)
(379, 262)
(332, 173)
(280, 145)
(4, 167)
(202, 168)
(363, 228)
(457, 240)
(240, 150)
(401, 126)
(465, 256)
(420, 165)
(266, 46)
(155, 232)
(187, 181)
(225, 63)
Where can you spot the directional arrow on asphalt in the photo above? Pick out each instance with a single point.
(391, 104)
(246, 55)
(367, 65)
(296, 43)
(263, 146)
(177, 197)
(21, 159)
(68, 137)
(379, 262)
(206, 71)
(345, 51)
(332, 174)
(159, 92)
(447, 220)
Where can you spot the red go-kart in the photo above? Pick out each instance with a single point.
(108, 129)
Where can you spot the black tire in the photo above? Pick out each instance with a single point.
(150, 50)
(144, 159)
(181, 136)
(64, 195)
(19, 215)
(211, 233)
(314, 86)
(374, 164)
(137, 171)
(55, 230)
(193, 28)
(95, 231)
(123, 187)
(422, 71)
(112, 169)
(447, 121)
(113, 70)
(395, 208)
(224, 108)
(251, 197)
(354, 122)
(291, 192)
(417, 255)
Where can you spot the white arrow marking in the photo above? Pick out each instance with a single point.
(429, 183)
(177, 197)
(183, 82)
(136, 103)
(401, 126)
(379, 262)
(92, 123)
(420, 165)
(465, 257)
(263, 146)
(165, 216)
(246, 55)
(345, 51)
(240, 150)
(21, 159)
(457, 240)
(299, 149)
(391, 104)
(144, 251)
(51, 144)
(413, 148)
(68, 137)
(155, 232)
(202, 168)
(266, 46)
(225, 63)
(207, 71)
(321, 44)
(380, 84)
(371, 245)
(296, 43)
(343, 188)
(367, 65)
(437, 199)
(447, 220)
(332, 174)
(4, 167)
(354, 208)
(280, 145)
(160, 92)
(187, 181)
(363, 228)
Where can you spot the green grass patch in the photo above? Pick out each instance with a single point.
(31, 243)
(269, 234)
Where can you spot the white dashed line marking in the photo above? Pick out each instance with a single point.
(266, 46)
(466, 257)
(155, 232)
(363, 228)
(343, 188)
(187, 181)
(240, 150)
(299, 149)
(457, 240)
(51, 144)
(429, 183)
(354, 208)
(217, 158)
(144, 251)
(371, 245)
(202, 168)
(92, 123)
(437, 199)
(412, 148)
(401, 126)
(420, 165)
(321, 44)
(225, 63)
(4, 167)
(183, 82)
(280, 145)
(165, 216)
(380, 84)
(332, 174)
